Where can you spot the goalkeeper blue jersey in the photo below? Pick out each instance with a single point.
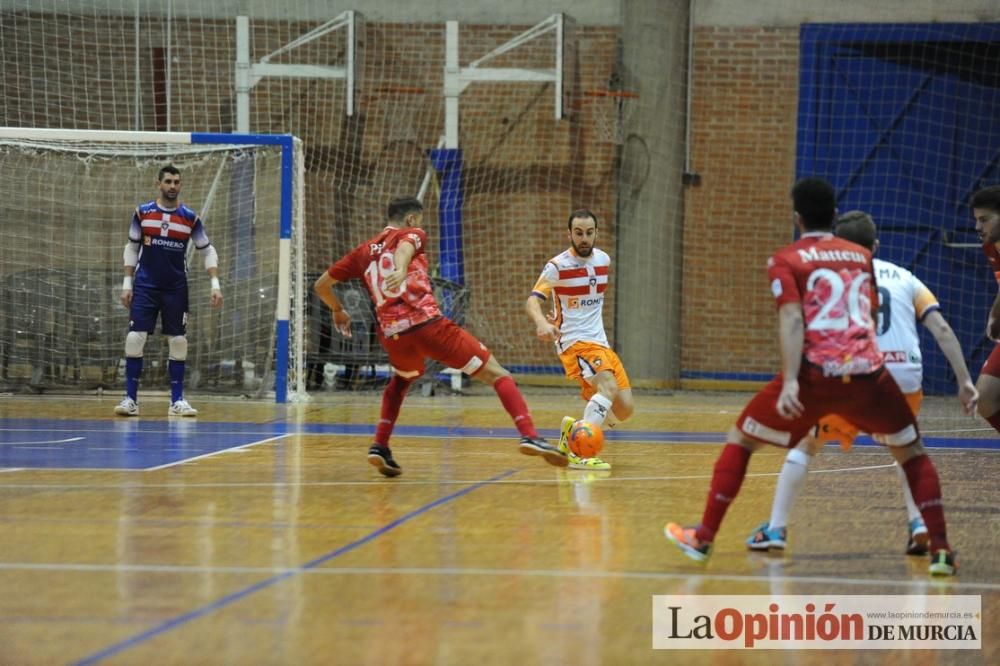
(163, 236)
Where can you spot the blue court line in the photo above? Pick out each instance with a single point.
(180, 620)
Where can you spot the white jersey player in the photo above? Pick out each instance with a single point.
(575, 281)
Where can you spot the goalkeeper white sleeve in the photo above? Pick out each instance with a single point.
(211, 257)
(131, 254)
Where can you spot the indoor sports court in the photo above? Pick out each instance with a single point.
(258, 533)
(668, 136)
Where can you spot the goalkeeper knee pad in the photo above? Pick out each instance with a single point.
(134, 342)
(178, 348)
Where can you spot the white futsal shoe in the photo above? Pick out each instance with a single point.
(127, 407)
(182, 408)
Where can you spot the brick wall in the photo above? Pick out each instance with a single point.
(743, 146)
(523, 170)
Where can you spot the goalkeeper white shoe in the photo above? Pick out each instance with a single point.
(127, 407)
(182, 408)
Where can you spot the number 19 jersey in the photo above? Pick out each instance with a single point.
(408, 305)
(833, 280)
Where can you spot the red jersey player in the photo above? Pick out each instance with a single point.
(986, 210)
(824, 288)
(393, 265)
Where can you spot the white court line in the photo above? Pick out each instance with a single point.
(214, 453)
(477, 571)
(570, 476)
(44, 441)
(950, 430)
(11, 469)
(168, 431)
(706, 441)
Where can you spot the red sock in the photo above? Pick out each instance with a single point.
(926, 491)
(392, 400)
(727, 478)
(995, 421)
(514, 403)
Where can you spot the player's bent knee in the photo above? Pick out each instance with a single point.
(135, 341)
(178, 348)
(904, 454)
(488, 372)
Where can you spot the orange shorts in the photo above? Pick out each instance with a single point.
(834, 428)
(583, 360)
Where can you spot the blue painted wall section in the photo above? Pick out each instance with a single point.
(902, 119)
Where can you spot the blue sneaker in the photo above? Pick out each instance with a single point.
(919, 541)
(764, 538)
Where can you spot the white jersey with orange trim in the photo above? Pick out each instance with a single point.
(903, 301)
(579, 284)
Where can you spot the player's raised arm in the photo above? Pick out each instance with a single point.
(324, 289)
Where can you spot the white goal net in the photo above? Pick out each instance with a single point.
(64, 224)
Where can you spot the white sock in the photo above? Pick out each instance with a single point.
(911, 507)
(793, 473)
(597, 409)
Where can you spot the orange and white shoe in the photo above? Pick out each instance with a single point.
(685, 539)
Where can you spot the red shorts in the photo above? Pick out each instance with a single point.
(873, 403)
(992, 365)
(442, 340)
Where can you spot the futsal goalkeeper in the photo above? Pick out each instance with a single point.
(155, 286)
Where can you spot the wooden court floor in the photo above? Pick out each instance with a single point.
(268, 539)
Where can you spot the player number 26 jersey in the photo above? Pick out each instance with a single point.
(832, 279)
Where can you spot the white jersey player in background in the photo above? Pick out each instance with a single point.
(903, 301)
(576, 281)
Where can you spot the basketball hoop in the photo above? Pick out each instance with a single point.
(612, 110)
(611, 113)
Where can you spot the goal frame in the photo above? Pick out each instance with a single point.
(292, 206)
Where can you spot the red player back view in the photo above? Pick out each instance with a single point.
(405, 306)
(833, 280)
(824, 289)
